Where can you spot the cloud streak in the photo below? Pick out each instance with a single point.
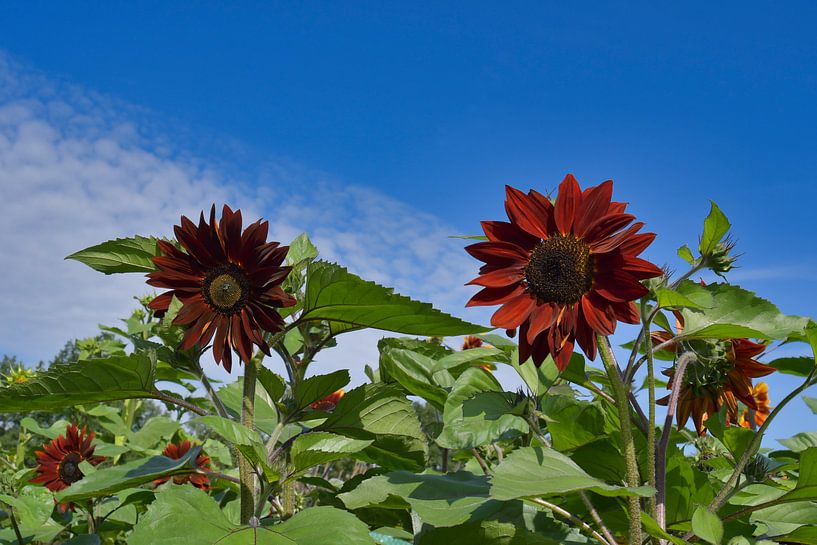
(77, 168)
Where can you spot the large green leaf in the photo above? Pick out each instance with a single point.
(320, 447)
(266, 417)
(707, 525)
(738, 313)
(438, 499)
(381, 412)
(335, 294)
(537, 471)
(686, 295)
(486, 418)
(87, 381)
(801, 441)
(413, 371)
(110, 480)
(122, 255)
(184, 515)
(572, 423)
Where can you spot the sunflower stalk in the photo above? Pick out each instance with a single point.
(623, 406)
(245, 469)
(661, 454)
(647, 321)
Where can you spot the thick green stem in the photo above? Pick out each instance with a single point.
(245, 469)
(623, 406)
(647, 321)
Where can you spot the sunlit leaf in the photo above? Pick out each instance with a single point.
(335, 294)
(122, 255)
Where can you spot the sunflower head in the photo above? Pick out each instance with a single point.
(329, 402)
(58, 461)
(176, 451)
(471, 342)
(19, 375)
(721, 374)
(228, 281)
(563, 273)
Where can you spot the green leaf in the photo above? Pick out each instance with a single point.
(799, 366)
(301, 251)
(715, 228)
(232, 395)
(652, 527)
(320, 447)
(272, 383)
(231, 431)
(438, 499)
(707, 526)
(805, 534)
(414, 372)
(86, 381)
(107, 481)
(537, 471)
(800, 441)
(537, 379)
(334, 294)
(686, 254)
(381, 412)
(572, 423)
(156, 429)
(488, 418)
(737, 313)
(184, 515)
(687, 295)
(811, 402)
(319, 386)
(122, 255)
(52, 432)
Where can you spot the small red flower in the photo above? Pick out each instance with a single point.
(329, 402)
(471, 342)
(58, 461)
(175, 452)
(229, 283)
(562, 273)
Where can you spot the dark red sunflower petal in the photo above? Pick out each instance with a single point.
(500, 277)
(495, 296)
(524, 213)
(498, 251)
(514, 312)
(502, 231)
(568, 199)
(595, 204)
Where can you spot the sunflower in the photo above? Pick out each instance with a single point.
(761, 395)
(471, 342)
(58, 461)
(176, 451)
(329, 402)
(562, 272)
(228, 281)
(720, 375)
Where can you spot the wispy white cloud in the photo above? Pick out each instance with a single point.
(77, 168)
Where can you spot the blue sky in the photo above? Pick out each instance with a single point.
(410, 117)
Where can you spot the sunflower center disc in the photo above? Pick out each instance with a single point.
(560, 270)
(69, 468)
(225, 289)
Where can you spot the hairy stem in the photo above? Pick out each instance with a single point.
(14, 525)
(661, 454)
(245, 469)
(647, 321)
(623, 406)
(582, 525)
(173, 400)
(595, 514)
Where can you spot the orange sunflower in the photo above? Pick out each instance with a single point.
(174, 451)
(329, 402)
(58, 461)
(228, 281)
(562, 272)
(721, 374)
(761, 395)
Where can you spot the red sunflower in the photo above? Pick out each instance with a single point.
(175, 452)
(58, 461)
(229, 283)
(562, 272)
(721, 375)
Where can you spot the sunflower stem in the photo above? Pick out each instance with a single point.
(623, 406)
(245, 470)
(14, 525)
(661, 454)
(647, 321)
